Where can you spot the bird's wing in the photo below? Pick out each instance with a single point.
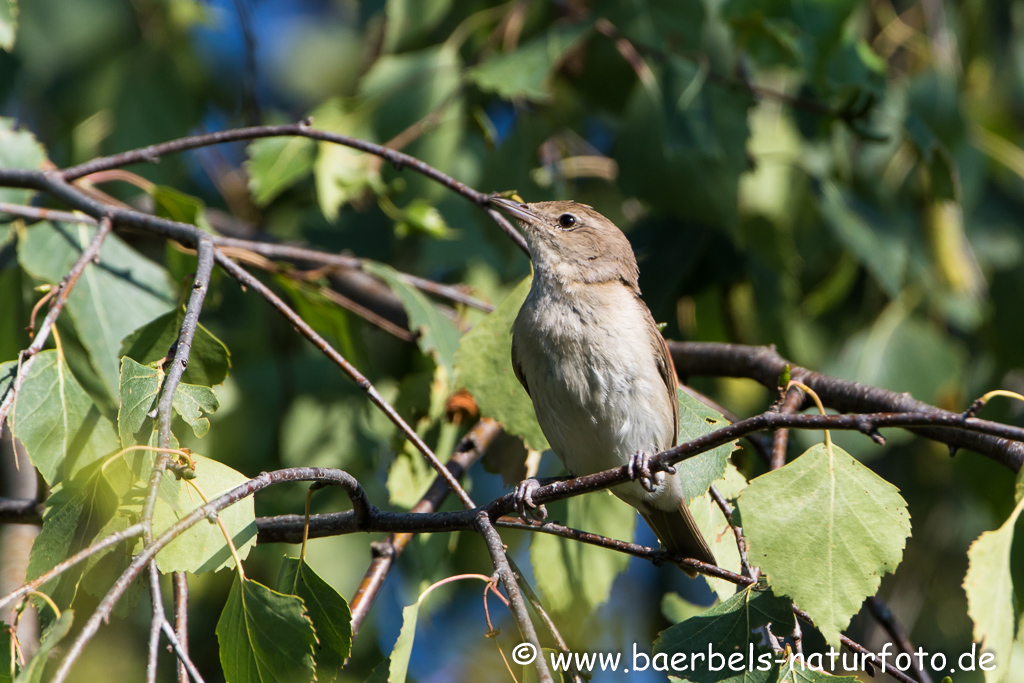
(518, 368)
(668, 371)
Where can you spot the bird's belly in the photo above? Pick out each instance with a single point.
(599, 397)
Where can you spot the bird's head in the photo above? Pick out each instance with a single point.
(572, 242)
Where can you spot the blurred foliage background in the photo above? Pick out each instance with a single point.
(841, 179)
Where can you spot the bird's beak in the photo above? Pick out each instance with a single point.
(520, 212)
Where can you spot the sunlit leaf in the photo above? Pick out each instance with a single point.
(76, 512)
(825, 528)
(139, 392)
(697, 419)
(61, 428)
(990, 592)
(202, 548)
(112, 298)
(275, 164)
(438, 334)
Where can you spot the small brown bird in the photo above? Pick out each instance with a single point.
(586, 349)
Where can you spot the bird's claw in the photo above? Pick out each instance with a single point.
(528, 510)
(639, 467)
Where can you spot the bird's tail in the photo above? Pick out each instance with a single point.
(678, 532)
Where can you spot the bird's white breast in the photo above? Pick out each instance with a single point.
(590, 363)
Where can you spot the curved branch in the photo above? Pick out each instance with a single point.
(152, 154)
(765, 365)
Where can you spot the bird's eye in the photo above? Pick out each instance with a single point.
(567, 220)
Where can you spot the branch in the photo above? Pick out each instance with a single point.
(106, 606)
(180, 582)
(84, 554)
(247, 280)
(880, 611)
(515, 598)
(263, 246)
(469, 450)
(152, 154)
(765, 365)
(21, 511)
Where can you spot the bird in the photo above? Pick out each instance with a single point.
(586, 349)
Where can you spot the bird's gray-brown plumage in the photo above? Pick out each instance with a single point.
(587, 350)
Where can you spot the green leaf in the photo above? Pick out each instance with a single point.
(8, 23)
(193, 403)
(575, 577)
(697, 419)
(326, 608)
(76, 511)
(341, 173)
(714, 527)
(483, 366)
(794, 672)
(275, 164)
(139, 393)
(728, 629)
(112, 298)
(208, 360)
(524, 73)
(406, 21)
(825, 528)
(60, 426)
(178, 206)
(990, 594)
(202, 548)
(399, 661)
(33, 671)
(264, 636)
(438, 336)
(18, 148)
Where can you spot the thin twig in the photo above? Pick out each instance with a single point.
(515, 598)
(880, 611)
(472, 446)
(157, 620)
(538, 607)
(179, 580)
(149, 551)
(780, 441)
(737, 532)
(247, 280)
(84, 554)
(184, 661)
(765, 365)
(28, 356)
(152, 154)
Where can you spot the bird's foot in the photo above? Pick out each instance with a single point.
(528, 510)
(650, 478)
